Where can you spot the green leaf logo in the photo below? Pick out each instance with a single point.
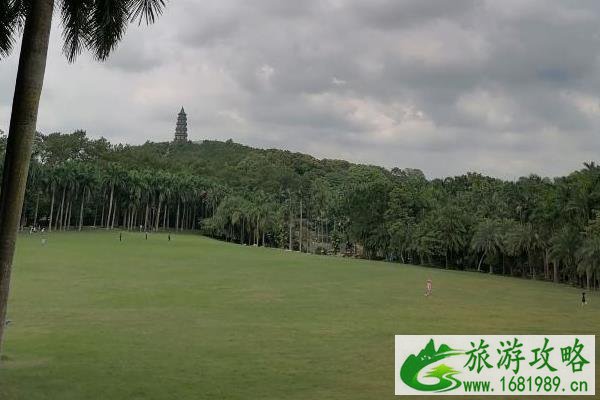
(409, 372)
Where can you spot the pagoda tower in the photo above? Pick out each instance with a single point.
(181, 132)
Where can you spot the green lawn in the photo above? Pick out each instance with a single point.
(196, 318)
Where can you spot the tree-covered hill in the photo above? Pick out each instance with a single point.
(231, 164)
(534, 227)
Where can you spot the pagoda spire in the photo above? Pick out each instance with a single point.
(181, 132)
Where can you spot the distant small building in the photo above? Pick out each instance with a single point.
(181, 132)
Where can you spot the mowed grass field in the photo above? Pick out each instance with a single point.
(194, 318)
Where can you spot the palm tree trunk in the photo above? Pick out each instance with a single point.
(193, 224)
(114, 214)
(291, 233)
(68, 219)
(59, 220)
(23, 221)
(480, 262)
(81, 210)
(300, 240)
(158, 213)
(95, 215)
(28, 88)
(291, 220)
(51, 209)
(131, 219)
(182, 221)
(308, 237)
(587, 279)
(146, 218)
(110, 205)
(102, 214)
(35, 213)
(546, 265)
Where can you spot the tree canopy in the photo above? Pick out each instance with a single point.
(533, 227)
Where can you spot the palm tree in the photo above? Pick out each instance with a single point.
(52, 184)
(588, 253)
(96, 25)
(35, 183)
(112, 179)
(589, 258)
(86, 180)
(487, 239)
(425, 241)
(563, 248)
(452, 230)
(523, 238)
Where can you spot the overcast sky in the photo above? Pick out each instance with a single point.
(506, 87)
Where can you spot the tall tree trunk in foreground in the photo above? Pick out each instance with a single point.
(23, 120)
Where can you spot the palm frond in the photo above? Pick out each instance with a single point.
(75, 15)
(108, 22)
(147, 10)
(12, 15)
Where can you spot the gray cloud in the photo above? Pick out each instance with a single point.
(506, 88)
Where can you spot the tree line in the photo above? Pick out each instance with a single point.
(534, 227)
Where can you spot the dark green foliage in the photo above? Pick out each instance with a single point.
(534, 227)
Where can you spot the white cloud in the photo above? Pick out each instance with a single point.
(442, 43)
(586, 104)
(494, 110)
(338, 82)
(402, 123)
(232, 115)
(446, 86)
(265, 73)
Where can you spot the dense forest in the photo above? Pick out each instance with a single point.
(534, 227)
